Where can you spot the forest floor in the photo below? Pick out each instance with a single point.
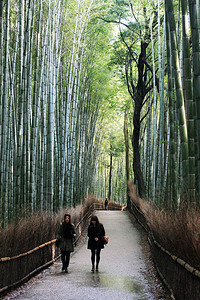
(126, 269)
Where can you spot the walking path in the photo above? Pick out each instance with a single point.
(124, 272)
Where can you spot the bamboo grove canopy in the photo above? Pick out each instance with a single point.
(93, 93)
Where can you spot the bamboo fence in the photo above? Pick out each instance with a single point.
(19, 268)
(182, 280)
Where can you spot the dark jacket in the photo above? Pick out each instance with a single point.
(93, 232)
(66, 239)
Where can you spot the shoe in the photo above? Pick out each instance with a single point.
(63, 268)
(92, 269)
(97, 269)
(66, 270)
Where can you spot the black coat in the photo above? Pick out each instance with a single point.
(93, 232)
(66, 241)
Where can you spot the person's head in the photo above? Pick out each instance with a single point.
(67, 219)
(94, 220)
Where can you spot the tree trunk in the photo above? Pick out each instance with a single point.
(136, 150)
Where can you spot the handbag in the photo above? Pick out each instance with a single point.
(74, 240)
(105, 240)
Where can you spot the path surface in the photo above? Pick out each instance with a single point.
(123, 271)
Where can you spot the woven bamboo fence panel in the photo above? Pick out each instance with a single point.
(18, 269)
(182, 280)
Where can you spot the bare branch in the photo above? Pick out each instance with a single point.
(131, 78)
(146, 113)
(127, 80)
(116, 22)
(147, 98)
(129, 48)
(151, 69)
(131, 5)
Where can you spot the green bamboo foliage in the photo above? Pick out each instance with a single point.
(187, 86)
(4, 182)
(155, 130)
(51, 110)
(46, 113)
(169, 139)
(35, 105)
(194, 7)
(126, 138)
(172, 171)
(77, 76)
(119, 181)
(19, 121)
(179, 154)
(148, 139)
(162, 121)
(179, 90)
(1, 62)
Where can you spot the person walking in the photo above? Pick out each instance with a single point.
(106, 204)
(65, 238)
(96, 233)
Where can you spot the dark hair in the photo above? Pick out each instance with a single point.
(68, 215)
(94, 218)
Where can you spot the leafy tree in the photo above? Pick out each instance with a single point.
(134, 34)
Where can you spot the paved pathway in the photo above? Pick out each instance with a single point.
(123, 273)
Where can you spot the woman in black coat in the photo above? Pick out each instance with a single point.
(96, 235)
(65, 238)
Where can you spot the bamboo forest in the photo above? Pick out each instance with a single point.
(94, 94)
(100, 105)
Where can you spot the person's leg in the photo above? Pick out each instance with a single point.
(92, 258)
(63, 259)
(98, 259)
(67, 258)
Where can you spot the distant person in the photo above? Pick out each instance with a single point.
(65, 239)
(96, 233)
(106, 204)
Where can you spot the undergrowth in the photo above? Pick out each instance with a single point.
(30, 232)
(177, 231)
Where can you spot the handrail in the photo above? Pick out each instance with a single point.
(27, 276)
(180, 261)
(4, 259)
(174, 257)
(5, 288)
